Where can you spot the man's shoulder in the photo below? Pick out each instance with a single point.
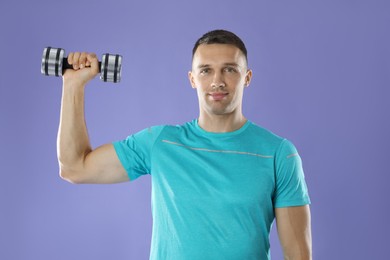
(267, 139)
(170, 129)
(263, 133)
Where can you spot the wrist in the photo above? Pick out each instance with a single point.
(73, 86)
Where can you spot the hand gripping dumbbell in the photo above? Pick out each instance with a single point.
(54, 64)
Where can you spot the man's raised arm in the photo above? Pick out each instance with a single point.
(78, 162)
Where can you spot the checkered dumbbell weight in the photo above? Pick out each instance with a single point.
(54, 64)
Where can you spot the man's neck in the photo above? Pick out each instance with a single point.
(221, 123)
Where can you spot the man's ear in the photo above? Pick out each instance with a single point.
(248, 77)
(191, 79)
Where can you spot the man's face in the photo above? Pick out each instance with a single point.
(219, 74)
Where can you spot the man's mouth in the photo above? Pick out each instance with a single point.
(218, 95)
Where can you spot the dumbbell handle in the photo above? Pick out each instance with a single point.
(66, 65)
(103, 71)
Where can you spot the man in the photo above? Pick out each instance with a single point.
(218, 182)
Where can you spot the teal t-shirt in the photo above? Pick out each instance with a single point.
(214, 194)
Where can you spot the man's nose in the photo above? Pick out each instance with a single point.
(218, 81)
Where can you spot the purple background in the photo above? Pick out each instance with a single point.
(321, 79)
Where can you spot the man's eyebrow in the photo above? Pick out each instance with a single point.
(232, 64)
(201, 66)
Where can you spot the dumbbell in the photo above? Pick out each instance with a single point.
(54, 64)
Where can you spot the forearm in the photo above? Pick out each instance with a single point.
(73, 141)
(299, 254)
(294, 229)
(299, 246)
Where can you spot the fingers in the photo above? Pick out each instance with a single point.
(80, 60)
(73, 59)
(70, 58)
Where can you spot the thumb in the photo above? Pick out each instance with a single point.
(93, 61)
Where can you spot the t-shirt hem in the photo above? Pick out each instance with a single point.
(120, 153)
(293, 203)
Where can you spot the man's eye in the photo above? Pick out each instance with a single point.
(230, 69)
(204, 71)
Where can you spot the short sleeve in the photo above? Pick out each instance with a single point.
(134, 152)
(291, 188)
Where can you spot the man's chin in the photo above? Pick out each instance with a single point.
(220, 111)
(218, 108)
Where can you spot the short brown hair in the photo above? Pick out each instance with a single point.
(221, 37)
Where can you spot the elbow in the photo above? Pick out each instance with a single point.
(71, 172)
(70, 176)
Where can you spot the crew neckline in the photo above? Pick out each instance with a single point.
(222, 134)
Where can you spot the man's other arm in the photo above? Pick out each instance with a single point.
(294, 230)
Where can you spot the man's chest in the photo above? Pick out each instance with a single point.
(210, 172)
